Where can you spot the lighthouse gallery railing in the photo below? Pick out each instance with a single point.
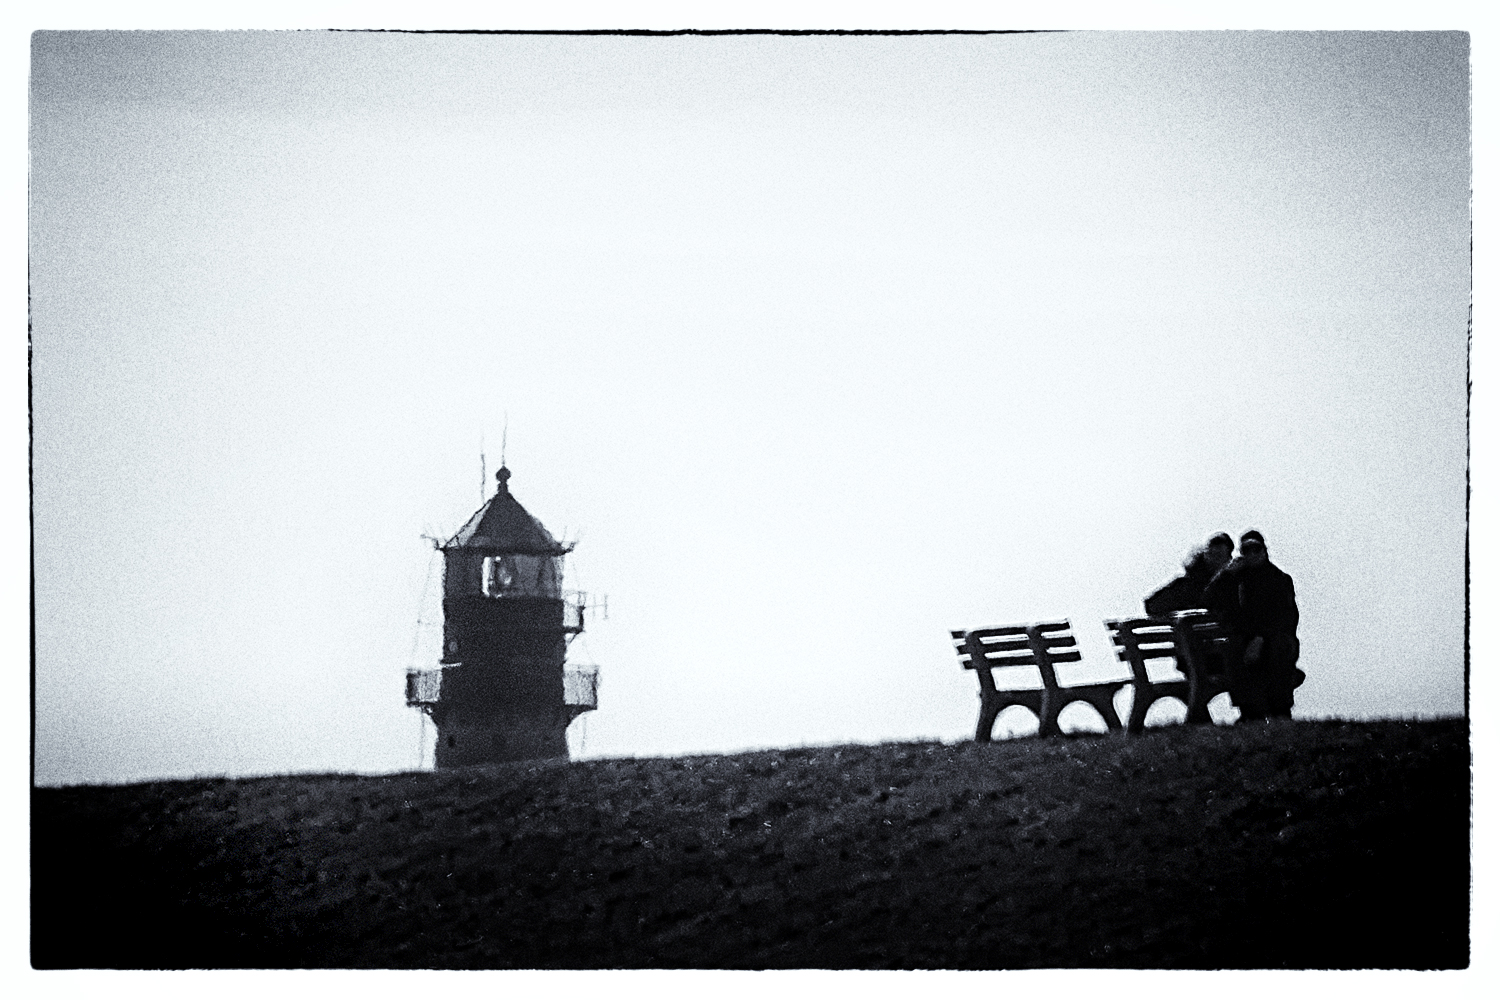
(424, 686)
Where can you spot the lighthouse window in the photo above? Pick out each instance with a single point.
(519, 576)
(499, 575)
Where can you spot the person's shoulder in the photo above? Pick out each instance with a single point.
(1233, 568)
(1222, 581)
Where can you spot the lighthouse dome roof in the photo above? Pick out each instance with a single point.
(503, 525)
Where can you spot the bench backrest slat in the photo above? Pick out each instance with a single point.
(1140, 639)
(1040, 645)
(1058, 647)
(1198, 633)
(1009, 645)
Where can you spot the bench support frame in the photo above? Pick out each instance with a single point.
(1034, 644)
(1185, 638)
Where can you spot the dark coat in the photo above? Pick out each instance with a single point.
(1184, 593)
(1254, 600)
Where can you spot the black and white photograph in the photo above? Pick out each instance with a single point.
(750, 498)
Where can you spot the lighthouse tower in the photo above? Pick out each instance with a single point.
(503, 690)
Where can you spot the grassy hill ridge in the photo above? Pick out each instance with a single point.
(1303, 844)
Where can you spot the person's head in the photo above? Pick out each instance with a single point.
(1253, 548)
(1219, 550)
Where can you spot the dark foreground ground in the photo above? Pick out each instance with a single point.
(1324, 845)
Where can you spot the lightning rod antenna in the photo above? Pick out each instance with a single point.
(504, 429)
(481, 467)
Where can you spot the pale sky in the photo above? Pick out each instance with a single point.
(819, 346)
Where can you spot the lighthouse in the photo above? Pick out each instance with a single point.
(503, 690)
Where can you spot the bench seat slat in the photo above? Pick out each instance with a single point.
(1151, 651)
(1018, 659)
(999, 661)
(1006, 645)
(1140, 625)
(1011, 635)
(1044, 628)
(1003, 645)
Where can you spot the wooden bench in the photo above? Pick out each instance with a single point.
(1041, 645)
(1192, 639)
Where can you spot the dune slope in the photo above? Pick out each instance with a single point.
(1303, 844)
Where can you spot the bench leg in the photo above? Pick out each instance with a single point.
(1198, 713)
(1139, 704)
(1047, 717)
(988, 709)
(1106, 707)
(1197, 701)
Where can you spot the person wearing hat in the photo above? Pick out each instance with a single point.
(1186, 592)
(1258, 602)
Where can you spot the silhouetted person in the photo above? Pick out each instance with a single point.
(1186, 592)
(1258, 603)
